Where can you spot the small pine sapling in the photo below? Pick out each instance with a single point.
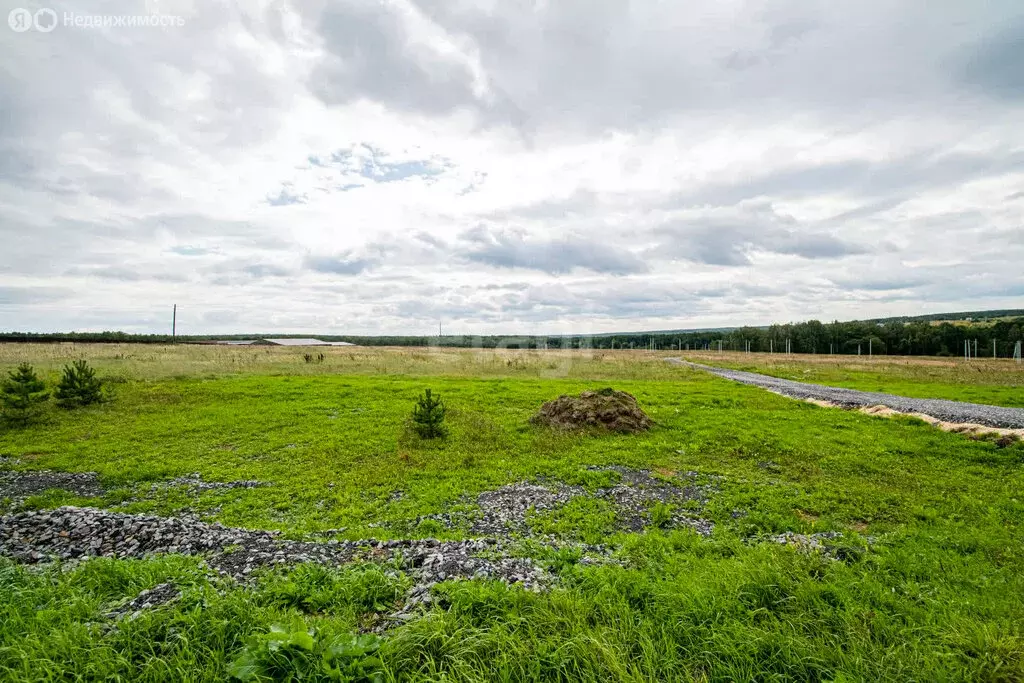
(428, 416)
(22, 395)
(78, 386)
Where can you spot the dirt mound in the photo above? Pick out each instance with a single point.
(608, 409)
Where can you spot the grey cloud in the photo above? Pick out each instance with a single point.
(728, 238)
(511, 249)
(430, 240)
(21, 296)
(373, 54)
(343, 264)
(586, 66)
(813, 246)
(191, 250)
(234, 271)
(222, 317)
(262, 270)
(996, 65)
(579, 203)
(93, 119)
(126, 274)
(887, 183)
(984, 277)
(880, 284)
(716, 246)
(119, 103)
(285, 198)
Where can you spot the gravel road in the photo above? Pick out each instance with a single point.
(948, 411)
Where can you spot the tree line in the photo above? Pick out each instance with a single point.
(892, 337)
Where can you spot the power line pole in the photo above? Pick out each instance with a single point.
(174, 323)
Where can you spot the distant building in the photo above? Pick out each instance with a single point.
(281, 342)
(304, 342)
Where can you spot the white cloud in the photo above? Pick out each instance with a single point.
(358, 167)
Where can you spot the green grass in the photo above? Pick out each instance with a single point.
(993, 382)
(937, 595)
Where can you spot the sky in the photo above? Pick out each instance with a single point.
(522, 167)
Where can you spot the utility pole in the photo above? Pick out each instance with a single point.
(174, 323)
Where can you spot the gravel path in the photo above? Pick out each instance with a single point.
(948, 411)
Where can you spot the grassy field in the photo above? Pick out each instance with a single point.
(929, 586)
(980, 380)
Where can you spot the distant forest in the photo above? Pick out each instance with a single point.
(932, 335)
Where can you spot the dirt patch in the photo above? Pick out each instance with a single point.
(609, 409)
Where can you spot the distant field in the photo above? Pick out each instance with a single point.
(927, 582)
(157, 361)
(984, 380)
(978, 322)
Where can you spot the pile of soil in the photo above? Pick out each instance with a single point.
(608, 409)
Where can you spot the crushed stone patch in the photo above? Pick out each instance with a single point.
(73, 534)
(161, 594)
(18, 485)
(194, 483)
(822, 542)
(508, 509)
(638, 490)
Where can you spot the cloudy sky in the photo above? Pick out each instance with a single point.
(521, 166)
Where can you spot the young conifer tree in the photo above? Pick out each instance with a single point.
(79, 386)
(428, 416)
(22, 394)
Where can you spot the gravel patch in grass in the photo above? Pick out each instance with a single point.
(508, 509)
(194, 484)
(69, 534)
(158, 595)
(18, 485)
(639, 490)
(827, 543)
